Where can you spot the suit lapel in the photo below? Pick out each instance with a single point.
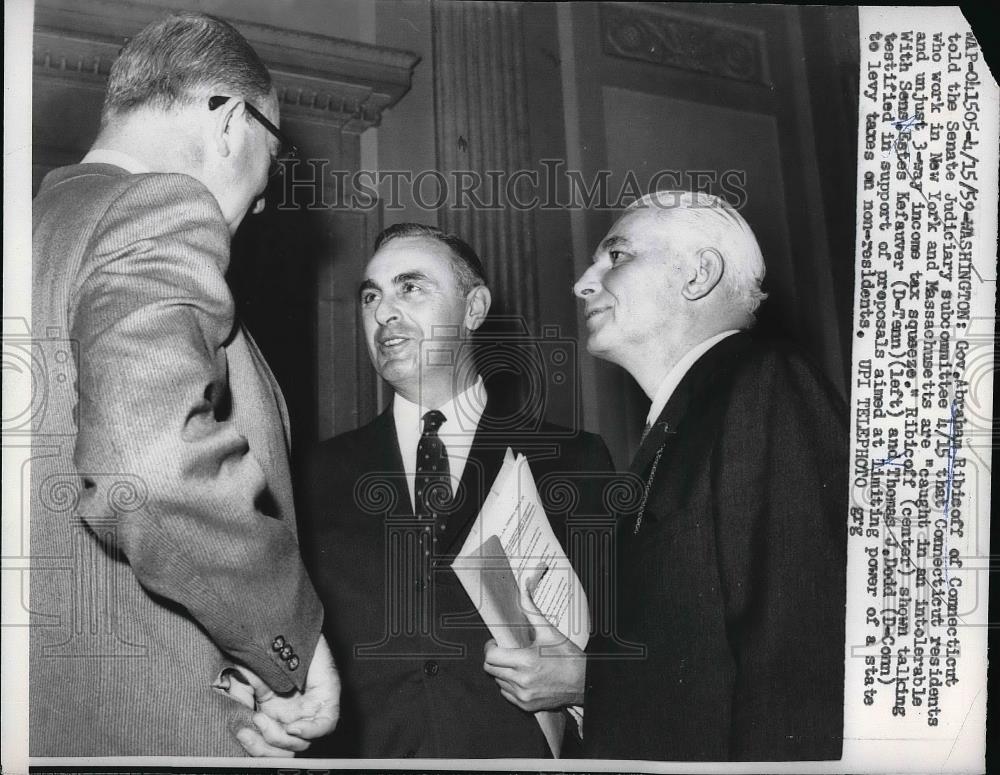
(651, 444)
(265, 371)
(693, 384)
(481, 469)
(390, 461)
(662, 431)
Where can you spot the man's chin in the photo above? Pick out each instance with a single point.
(595, 346)
(603, 350)
(396, 370)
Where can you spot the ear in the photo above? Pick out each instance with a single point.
(228, 124)
(477, 306)
(708, 270)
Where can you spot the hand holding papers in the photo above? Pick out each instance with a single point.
(547, 674)
(517, 574)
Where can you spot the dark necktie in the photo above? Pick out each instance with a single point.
(432, 483)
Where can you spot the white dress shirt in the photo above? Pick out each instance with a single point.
(117, 158)
(462, 414)
(676, 374)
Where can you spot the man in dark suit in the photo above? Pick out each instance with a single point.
(732, 571)
(387, 506)
(162, 525)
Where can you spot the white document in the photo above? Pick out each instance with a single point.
(512, 552)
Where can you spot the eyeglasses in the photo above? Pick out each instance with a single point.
(286, 148)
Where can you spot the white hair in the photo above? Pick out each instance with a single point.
(727, 232)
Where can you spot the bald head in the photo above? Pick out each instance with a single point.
(706, 221)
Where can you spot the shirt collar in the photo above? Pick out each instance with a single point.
(676, 374)
(116, 158)
(462, 413)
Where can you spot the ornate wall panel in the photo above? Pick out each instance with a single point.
(674, 40)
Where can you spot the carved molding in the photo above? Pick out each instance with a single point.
(335, 82)
(684, 42)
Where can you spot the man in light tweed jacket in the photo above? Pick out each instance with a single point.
(162, 527)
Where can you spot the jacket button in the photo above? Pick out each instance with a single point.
(286, 652)
(293, 662)
(431, 668)
(278, 643)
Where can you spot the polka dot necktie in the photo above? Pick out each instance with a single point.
(433, 475)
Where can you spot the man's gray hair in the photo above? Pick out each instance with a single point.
(726, 230)
(180, 59)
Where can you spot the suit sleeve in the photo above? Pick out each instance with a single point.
(160, 460)
(780, 489)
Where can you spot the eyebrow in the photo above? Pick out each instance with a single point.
(609, 243)
(367, 285)
(613, 242)
(404, 277)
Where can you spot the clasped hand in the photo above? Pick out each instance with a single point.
(286, 724)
